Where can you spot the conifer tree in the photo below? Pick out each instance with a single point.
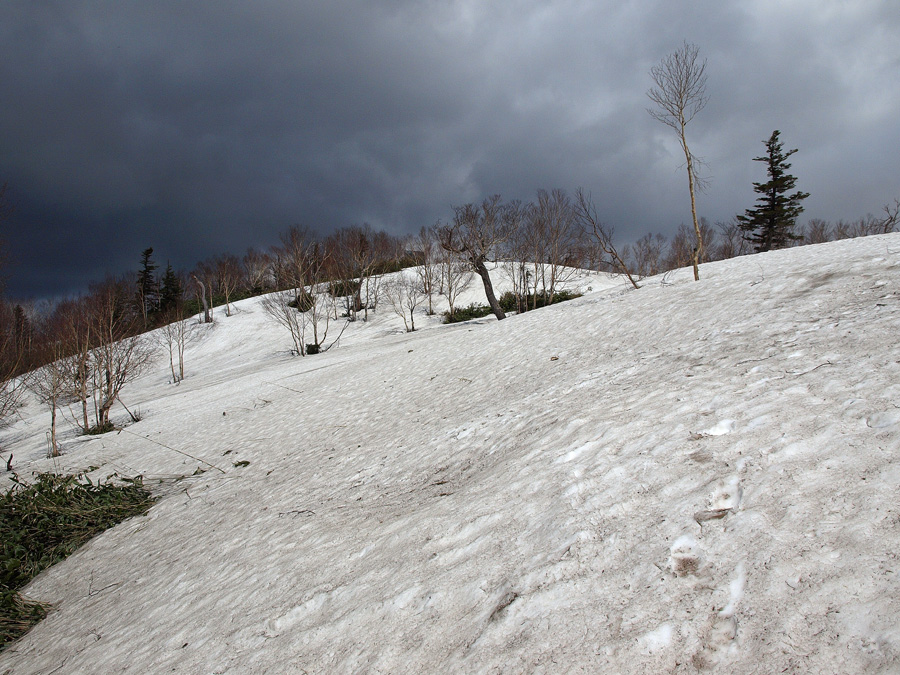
(170, 295)
(771, 224)
(148, 294)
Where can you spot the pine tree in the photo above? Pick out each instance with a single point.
(147, 294)
(771, 224)
(171, 290)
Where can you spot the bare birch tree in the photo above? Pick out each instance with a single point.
(257, 269)
(456, 276)
(404, 294)
(12, 385)
(75, 331)
(428, 271)
(174, 336)
(475, 234)
(304, 304)
(281, 306)
(586, 216)
(53, 387)
(647, 253)
(228, 276)
(119, 356)
(679, 94)
(560, 236)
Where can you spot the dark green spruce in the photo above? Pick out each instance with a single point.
(771, 224)
(148, 290)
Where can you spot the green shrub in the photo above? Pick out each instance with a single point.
(303, 302)
(508, 301)
(313, 348)
(473, 311)
(344, 287)
(98, 429)
(43, 523)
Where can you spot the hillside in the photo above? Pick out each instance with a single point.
(686, 476)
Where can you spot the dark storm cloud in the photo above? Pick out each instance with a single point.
(204, 127)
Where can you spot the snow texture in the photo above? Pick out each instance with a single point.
(688, 476)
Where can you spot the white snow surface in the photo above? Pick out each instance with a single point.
(682, 477)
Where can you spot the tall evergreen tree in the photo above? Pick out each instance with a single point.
(148, 293)
(771, 224)
(170, 295)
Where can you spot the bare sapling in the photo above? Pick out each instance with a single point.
(586, 216)
(404, 294)
(679, 94)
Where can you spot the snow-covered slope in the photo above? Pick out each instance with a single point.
(686, 476)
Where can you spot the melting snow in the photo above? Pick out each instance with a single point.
(705, 476)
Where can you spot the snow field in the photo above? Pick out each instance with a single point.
(704, 477)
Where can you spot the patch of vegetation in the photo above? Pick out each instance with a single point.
(312, 348)
(473, 311)
(43, 523)
(193, 306)
(397, 264)
(98, 429)
(343, 287)
(510, 303)
(303, 302)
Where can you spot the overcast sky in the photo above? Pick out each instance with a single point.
(203, 127)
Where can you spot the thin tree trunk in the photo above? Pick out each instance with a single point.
(698, 250)
(489, 289)
(54, 449)
(206, 318)
(172, 366)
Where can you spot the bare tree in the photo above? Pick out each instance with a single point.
(476, 232)
(257, 270)
(521, 246)
(120, 356)
(12, 384)
(281, 306)
(403, 294)
(353, 257)
(817, 231)
(174, 335)
(648, 254)
(228, 275)
(867, 225)
(302, 305)
(681, 250)
(456, 276)
(891, 217)
(428, 271)
(52, 385)
(74, 328)
(679, 94)
(586, 216)
(731, 240)
(558, 228)
(207, 317)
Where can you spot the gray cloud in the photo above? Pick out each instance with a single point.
(204, 127)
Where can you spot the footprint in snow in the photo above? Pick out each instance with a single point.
(684, 557)
(883, 420)
(725, 499)
(719, 429)
(722, 628)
